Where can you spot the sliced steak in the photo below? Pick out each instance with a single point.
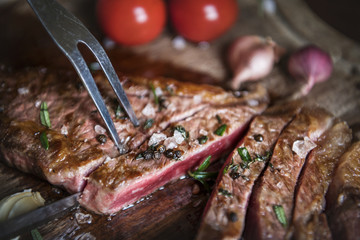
(224, 215)
(75, 148)
(122, 181)
(315, 180)
(275, 190)
(343, 198)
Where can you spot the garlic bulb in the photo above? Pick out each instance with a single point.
(251, 58)
(19, 203)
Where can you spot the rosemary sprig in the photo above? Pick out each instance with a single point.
(44, 115)
(200, 175)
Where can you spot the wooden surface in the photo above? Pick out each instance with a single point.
(174, 212)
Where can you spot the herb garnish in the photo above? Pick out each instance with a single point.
(148, 123)
(245, 157)
(200, 174)
(280, 215)
(154, 92)
(44, 115)
(182, 130)
(220, 130)
(218, 118)
(231, 166)
(264, 158)
(120, 113)
(36, 235)
(203, 139)
(44, 140)
(224, 192)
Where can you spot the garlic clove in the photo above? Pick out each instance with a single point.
(251, 58)
(26, 204)
(19, 203)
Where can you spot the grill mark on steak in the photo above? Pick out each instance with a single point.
(277, 185)
(343, 196)
(313, 184)
(217, 222)
(124, 180)
(70, 106)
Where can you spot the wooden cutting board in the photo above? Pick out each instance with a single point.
(174, 211)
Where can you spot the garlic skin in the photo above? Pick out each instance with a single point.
(251, 58)
(311, 65)
(19, 203)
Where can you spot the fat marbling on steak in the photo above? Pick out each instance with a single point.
(343, 199)
(224, 215)
(272, 199)
(74, 146)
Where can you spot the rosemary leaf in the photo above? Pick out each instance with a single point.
(44, 140)
(220, 130)
(44, 115)
(36, 235)
(280, 215)
(154, 92)
(244, 154)
(148, 123)
(204, 165)
(203, 139)
(224, 192)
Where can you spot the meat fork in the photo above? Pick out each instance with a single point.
(67, 31)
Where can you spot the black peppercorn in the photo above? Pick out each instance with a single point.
(101, 138)
(169, 153)
(258, 137)
(234, 175)
(160, 148)
(233, 217)
(156, 155)
(148, 154)
(178, 154)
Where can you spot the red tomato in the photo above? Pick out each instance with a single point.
(202, 20)
(131, 22)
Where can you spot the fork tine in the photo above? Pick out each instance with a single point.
(111, 75)
(85, 75)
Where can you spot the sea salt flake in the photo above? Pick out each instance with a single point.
(99, 129)
(303, 147)
(149, 110)
(64, 130)
(37, 103)
(170, 143)
(203, 132)
(178, 137)
(23, 91)
(158, 91)
(197, 99)
(86, 236)
(156, 138)
(82, 218)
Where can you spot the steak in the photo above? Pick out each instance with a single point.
(224, 215)
(314, 182)
(273, 195)
(343, 197)
(76, 149)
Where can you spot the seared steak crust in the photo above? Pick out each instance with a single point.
(74, 147)
(277, 186)
(224, 216)
(343, 197)
(314, 182)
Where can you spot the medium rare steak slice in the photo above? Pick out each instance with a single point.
(272, 200)
(76, 127)
(343, 198)
(224, 215)
(315, 180)
(122, 181)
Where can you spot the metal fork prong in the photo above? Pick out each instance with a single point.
(111, 75)
(85, 75)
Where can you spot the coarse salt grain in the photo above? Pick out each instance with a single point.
(303, 147)
(197, 99)
(158, 91)
(23, 91)
(99, 129)
(149, 110)
(178, 137)
(170, 143)
(82, 218)
(64, 130)
(37, 103)
(156, 138)
(179, 43)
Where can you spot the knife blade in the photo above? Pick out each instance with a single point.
(29, 221)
